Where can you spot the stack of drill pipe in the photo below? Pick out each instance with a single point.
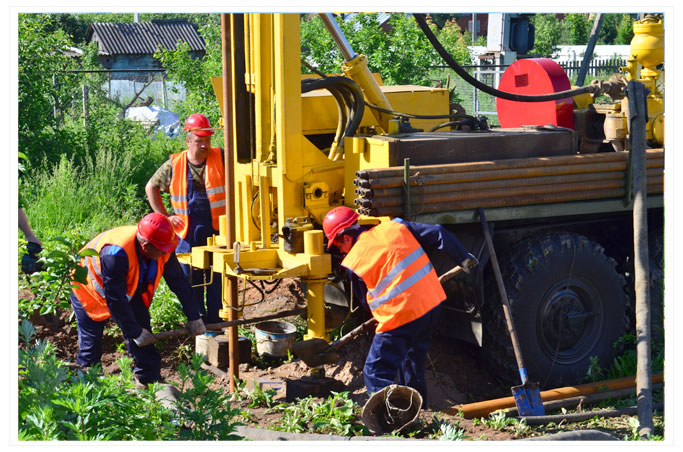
(513, 182)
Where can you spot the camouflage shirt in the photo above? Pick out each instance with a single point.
(163, 176)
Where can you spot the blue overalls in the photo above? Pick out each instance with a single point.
(147, 359)
(200, 227)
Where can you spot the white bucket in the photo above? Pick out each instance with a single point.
(274, 338)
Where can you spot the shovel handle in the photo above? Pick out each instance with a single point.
(220, 325)
(450, 273)
(504, 298)
(352, 334)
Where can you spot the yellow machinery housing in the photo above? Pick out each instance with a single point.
(287, 180)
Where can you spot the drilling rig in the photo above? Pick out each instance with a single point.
(554, 180)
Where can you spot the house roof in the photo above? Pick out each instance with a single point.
(143, 37)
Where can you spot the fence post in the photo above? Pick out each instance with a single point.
(86, 104)
(163, 90)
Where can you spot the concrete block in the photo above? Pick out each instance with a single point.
(218, 350)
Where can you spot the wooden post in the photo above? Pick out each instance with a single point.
(637, 119)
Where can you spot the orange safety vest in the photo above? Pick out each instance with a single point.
(91, 295)
(401, 281)
(214, 180)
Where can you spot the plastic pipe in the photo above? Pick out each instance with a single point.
(484, 408)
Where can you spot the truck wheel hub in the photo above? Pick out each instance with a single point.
(568, 322)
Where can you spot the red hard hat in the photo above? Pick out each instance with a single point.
(337, 220)
(198, 124)
(158, 230)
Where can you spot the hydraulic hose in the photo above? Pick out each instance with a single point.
(422, 23)
(462, 122)
(342, 84)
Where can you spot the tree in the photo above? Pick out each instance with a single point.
(401, 55)
(577, 29)
(44, 84)
(624, 30)
(195, 74)
(548, 34)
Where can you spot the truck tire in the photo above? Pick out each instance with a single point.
(568, 303)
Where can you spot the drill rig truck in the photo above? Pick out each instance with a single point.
(554, 181)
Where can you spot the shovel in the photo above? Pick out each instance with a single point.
(316, 352)
(527, 395)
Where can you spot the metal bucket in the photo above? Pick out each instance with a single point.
(274, 338)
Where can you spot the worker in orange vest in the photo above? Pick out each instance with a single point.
(124, 270)
(195, 178)
(394, 279)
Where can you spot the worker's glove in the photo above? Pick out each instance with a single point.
(469, 263)
(196, 327)
(29, 261)
(144, 339)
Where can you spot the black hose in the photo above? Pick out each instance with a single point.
(341, 84)
(462, 122)
(422, 22)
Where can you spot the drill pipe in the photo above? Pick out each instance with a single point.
(474, 176)
(506, 183)
(456, 194)
(504, 202)
(520, 163)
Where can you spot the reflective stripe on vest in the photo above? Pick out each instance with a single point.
(214, 181)
(91, 295)
(401, 281)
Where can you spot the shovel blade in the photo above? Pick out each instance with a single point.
(528, 399)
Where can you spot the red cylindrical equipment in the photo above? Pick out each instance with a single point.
(535, 76)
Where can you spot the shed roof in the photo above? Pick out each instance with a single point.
(143, 37)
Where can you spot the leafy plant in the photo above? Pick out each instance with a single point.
(634, 424)
(166, 312)
(205, 412)
(259, 398)
(333, 415)
(55, 404)
(183, 352)
(594, 372)
(450, 432)
(51, 285)
(498, 420)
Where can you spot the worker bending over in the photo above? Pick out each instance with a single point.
(122, 278)
(195, 179)
(393, 277)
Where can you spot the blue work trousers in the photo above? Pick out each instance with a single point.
(200, 228)
(399, 355)
(147, 359)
